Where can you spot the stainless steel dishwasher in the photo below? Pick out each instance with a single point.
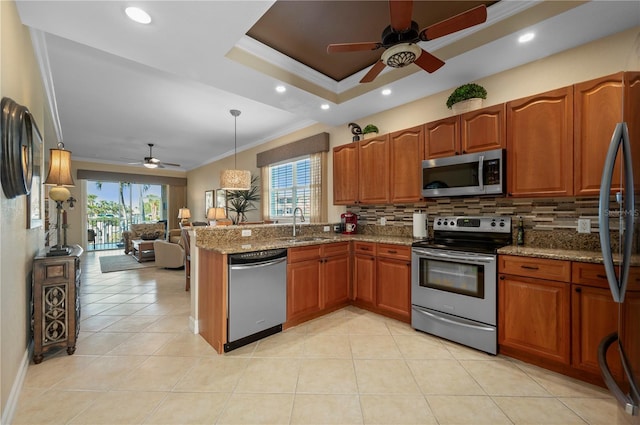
(257, 296)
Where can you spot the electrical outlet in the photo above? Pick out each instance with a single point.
(383, 221)
(326, 228)
(584, 225)
(246, 232)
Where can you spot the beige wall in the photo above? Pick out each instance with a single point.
(602, 57)
(19, 80)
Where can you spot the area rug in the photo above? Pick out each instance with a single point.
(116, 263)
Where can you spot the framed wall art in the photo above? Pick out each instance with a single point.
(208, 201)
(34, 198)
(221, 200)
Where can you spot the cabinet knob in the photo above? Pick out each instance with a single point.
(464, 151)
(578, 290)
(408, 264)
(501, 277)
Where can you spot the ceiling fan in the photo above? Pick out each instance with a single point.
(153, 162)
(401, 37)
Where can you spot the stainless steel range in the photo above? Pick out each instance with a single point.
(454, 280)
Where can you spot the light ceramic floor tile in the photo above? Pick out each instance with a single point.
(327, 376)
(421, 347)
(326, 409)
(142, 344)
(444, 377)
(399, 410)
(374, 347)
(92, 309)
(327, 345)
(189, 409)
(54, 369)
(220, 374)
(101, 374)
(368, 325)
(124, 309)
(185, 344)
(328, 325)
(120, 408)
(101, 343)
(562, 386)
(461, 352)
(597, 411)
(537, 410)
(269, 375)
(272, 409)
(156, 374)
(286, 344)
(501, 377)
(53, 407)
(475, 410)
(174, 324)
(131, 324)
(99, 322)
(384, 377)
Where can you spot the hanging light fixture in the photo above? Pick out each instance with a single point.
(235, 179)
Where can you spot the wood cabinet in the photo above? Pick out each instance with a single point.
(475, 131)
(56, 302)
(534, 312)
(540, 144)
(345, 174)
(364, 274)
(373, 170)
(393, 281)
(405, 157)
(317, 280)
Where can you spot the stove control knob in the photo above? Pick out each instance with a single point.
(502, 224)
(439, 223)
(493, 224)
(451, 223)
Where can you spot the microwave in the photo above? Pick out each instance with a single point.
(479, 173)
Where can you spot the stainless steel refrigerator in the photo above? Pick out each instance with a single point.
(619, 217)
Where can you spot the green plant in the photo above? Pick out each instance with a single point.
(466, 91)
(241, 201)
(370, 128)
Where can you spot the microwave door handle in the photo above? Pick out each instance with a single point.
(480, 172)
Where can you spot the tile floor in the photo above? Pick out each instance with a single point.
(137, 363)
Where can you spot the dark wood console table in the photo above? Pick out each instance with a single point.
(56, 302)
(143, 250)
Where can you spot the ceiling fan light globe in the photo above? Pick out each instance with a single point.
(401, 55)
(150, 165)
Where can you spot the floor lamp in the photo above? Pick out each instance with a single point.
(59, 177)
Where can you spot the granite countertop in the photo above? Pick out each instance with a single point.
(258, 244)
(562, 254)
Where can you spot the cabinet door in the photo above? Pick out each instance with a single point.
(594, 316)
(345, 174)
(540, 144)
(303, 289)
(442, 138)
(335, 278)
(632, 116)
(373, 170)
(364, 277)
(483, 129)
(406, 152)
(393, 287)
(533, 317)
(598, 107)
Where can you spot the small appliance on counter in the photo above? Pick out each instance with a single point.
(349, 223)
(420, 225)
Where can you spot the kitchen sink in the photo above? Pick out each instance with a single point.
(306, 239)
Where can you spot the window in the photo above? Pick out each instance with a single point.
(290, 187)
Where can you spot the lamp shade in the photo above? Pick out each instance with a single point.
(216, 214)
(235, 179)
(184, 213)
(59, 168)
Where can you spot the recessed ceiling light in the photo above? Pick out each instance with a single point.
(324, 106)
(138, 15)
(281, 89)
(386, 92)
(526, 37)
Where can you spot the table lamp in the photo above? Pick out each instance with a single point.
(60, 178)
(184, 215)
(215, 214)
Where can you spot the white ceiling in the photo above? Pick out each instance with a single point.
(116, 85)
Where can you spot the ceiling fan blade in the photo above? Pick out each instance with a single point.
(153, 160)
(373, 72)
(428, 62)
(400, 12)
(352, 47)
(464, 20)
(171, 164)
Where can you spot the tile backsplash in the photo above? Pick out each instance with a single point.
(548, 222)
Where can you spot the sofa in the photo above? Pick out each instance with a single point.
(147, 231)
(168, 255)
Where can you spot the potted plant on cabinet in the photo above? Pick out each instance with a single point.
(369, 130)
(467, 97)
(242, 201)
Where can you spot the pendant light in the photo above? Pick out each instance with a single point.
(235, 179)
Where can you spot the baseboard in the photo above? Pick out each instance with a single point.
(193, 325)
(12, 402)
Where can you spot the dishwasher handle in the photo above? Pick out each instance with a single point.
(257, 265)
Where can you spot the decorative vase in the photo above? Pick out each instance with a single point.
(467, 105)
(369, 135)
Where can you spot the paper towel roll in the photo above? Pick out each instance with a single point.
(419, 225)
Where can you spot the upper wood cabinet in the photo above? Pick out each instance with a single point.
(345, 174)
(598, 107)
(475, 131)
(405, 155)
(373, 170)
(540, 144)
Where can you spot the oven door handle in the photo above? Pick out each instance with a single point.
(452, 321)
(467, 258)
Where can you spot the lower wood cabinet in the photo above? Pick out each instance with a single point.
(364, 274)
(317, 280)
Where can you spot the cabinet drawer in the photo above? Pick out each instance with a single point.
(364, 248)
(399, 252)
(333, 249)
(589, 274)
(303, 253)
(539, 268)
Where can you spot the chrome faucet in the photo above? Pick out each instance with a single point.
(294, 219)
